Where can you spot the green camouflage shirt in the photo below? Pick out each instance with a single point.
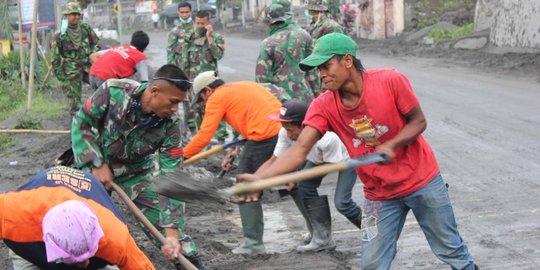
(204, 57)
(277, 64)
(67, 60)
(106, 130)
(177, 43)
(323, 27)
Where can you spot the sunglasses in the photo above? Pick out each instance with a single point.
(182, 84)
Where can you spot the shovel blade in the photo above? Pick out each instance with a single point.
(183, 187)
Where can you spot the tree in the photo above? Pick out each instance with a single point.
(6, 31)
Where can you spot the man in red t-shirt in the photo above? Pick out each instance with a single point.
(121, 61)
(377, 111)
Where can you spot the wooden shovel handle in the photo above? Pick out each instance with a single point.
(137, 212)
(287, 178)
(213, 150)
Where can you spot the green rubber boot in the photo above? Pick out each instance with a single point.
(253, 227)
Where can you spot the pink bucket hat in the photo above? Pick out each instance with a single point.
(71, 232)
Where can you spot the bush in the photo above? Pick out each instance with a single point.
(29, 120)
(441, 34)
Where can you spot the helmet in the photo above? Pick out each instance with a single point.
(276, 13)
(317, 5)
(72, 7)
(285, 3)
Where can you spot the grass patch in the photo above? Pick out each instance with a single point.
(6, 141)
(441, 34)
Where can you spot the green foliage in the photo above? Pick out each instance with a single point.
(29, 121)
(6, 141)
(426, 23)
(13, 97)
(6, 31)
(441, 34)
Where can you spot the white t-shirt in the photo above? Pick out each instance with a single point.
(329, 149)
(155, 17)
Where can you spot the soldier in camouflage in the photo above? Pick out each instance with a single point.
(279, 55)
(179, 35)
(71, 51)
(321, 24)
(119, 132)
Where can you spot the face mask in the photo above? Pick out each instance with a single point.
(185, 21)
(308, 16)
(63, 26)
(201, 31)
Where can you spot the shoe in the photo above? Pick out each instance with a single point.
(253, 228)
(319, 214)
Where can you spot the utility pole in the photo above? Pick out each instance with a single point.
(21, 53)
(32, 55)
(119, 20)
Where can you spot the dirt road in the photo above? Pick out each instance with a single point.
(483, 127)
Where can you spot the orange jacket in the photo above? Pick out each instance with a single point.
(243, 105)
(22, 212)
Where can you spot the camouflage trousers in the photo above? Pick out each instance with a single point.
(161, 211)
(72, 90)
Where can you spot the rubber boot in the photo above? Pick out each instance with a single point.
(297, 198)
(319, 213)
(253, 227)
(357, 221)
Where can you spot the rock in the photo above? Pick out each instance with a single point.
(471, 43)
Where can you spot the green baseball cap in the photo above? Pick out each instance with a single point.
(326, 47)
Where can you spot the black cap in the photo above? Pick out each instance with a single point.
(293, 110)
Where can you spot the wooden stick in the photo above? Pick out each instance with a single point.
(35, 131)
(204, 154)
(32, 56)
(137, 212)
(21, 53)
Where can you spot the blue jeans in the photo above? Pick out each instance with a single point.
(343, 196)
(383, 221)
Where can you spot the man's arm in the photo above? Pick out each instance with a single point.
(216, 46)
(85, 128)
(172, 43)
(263, 68)
(212, 116)
(142, 70)
(288, 162)
(56, 57)
(416, 124)
(170, 153)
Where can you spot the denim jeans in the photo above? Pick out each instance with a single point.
(383, 221)
(343, 194)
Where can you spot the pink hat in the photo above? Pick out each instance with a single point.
(71, 232)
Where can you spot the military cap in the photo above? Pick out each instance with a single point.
(71, 8)
(285, 3)
(276, 13)
(317, 5)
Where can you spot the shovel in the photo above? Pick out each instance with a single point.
(148, 225)
(182, 187)
(213, 150)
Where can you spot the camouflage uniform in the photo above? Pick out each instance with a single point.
(177, 43)
(279, 55)
(71, 62)
(200, 55)
(324, 25)
(109, 129)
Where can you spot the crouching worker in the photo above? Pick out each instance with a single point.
(63, 218)
(313, 207)
(118, 134)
